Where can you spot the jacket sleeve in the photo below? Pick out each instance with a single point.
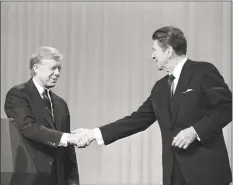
(136, 122)
(18, 108)
(219, 99)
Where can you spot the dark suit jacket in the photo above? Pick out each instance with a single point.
(207, 107)
(24, 104)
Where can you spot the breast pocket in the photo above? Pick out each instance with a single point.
(191, 95)
(190, 103)
(188, 91)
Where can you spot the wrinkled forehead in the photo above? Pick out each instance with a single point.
(50, 62)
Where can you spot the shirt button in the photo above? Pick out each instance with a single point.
(50, 163)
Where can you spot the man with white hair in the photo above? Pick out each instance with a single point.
(44, 121)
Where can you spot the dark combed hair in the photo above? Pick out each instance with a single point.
(171, 36)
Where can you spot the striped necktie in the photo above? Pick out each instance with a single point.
(47, 101)
(170, 81)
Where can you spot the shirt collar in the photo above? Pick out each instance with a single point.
(38, 86)
(176, 72)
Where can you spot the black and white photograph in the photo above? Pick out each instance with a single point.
(116, 92)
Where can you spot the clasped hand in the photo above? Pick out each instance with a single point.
(81, 137)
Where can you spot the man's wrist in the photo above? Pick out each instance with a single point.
(64, 140)
(98, 136)
(196, 135)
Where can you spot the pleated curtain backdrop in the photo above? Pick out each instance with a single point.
(107, 70)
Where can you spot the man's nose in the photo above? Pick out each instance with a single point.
(153, 55)
(57, 71)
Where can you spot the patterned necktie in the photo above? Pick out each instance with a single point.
(170, 80)
(47, 101)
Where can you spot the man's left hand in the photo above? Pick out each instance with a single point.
(184, 138)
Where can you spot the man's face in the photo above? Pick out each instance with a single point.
(48, 72)
(160, 55)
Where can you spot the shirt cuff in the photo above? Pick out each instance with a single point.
(64, 140)
(98, 136)
(198, 138)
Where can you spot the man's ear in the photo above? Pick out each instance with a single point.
(35, 68)
(170, 51)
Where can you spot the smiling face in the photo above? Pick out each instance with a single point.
(47, 72)
(161, 55)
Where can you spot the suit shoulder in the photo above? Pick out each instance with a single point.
(16, 92)
(18, 88)
(160, 81)
(201, 65)
(204, 68)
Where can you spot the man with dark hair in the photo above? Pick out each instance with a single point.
(44, 121)
(192, 105)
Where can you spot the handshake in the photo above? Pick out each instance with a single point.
(81, 137)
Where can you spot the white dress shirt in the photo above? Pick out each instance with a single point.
(176, 73)
(63, 142)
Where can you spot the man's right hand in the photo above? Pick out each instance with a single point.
(80, 138)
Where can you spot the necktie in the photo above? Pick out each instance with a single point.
(47, 102)
(169, 81)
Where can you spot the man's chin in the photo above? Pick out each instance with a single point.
(51, 85)
(161, 68)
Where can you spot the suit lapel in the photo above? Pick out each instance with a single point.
(38, 103)
(163, 101)
(56, 110)
(185, 76)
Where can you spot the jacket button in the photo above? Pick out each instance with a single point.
(50, 163)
